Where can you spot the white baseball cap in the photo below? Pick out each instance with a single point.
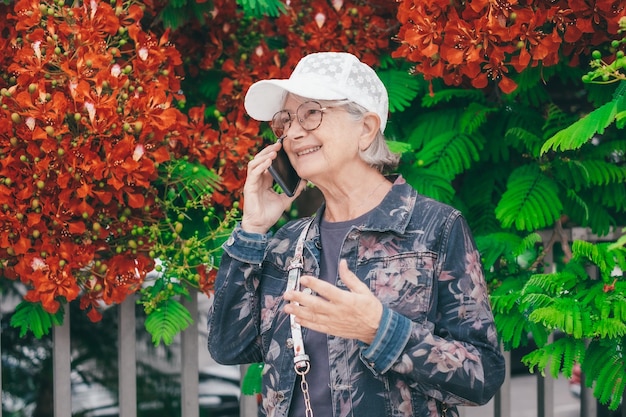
(321, 76)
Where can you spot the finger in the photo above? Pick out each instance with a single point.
(322, 288)
(261, 161)
(304, 298)
(351, 281)
(269, 152)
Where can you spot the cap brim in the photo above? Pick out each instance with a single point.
(264, 98)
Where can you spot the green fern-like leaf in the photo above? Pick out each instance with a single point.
(167, 320)
(431, 183)
(451, 152)
(530, 201)
(530, 90)
(577, 134)
(620, 120)
(476, 196)
(552, 284)
(262, 8)
(603, 172)
(512, 330)
(604, 369)
(32, 317)
(559, 356)
(402, 87)
(592, 252)
(565, 314)
(573, 174)
(620, 242)
(556, 120)
(524, 140)
(576, 207)
(535, 299)
(474, 117)
(598, 94)
(495, 245)
(528, 243)
(429, 125)
(600, 220)
(398, 147)
(188, 180)
(481, 218)
(610, 328)
(611, 195)
(505, 298)
(599, 352)
(446, 95)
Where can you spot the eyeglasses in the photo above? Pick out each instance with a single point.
(309, 116)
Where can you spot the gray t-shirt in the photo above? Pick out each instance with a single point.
(332, 235)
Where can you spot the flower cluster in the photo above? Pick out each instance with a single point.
(88, 129)
(484, 41)
(245, 50)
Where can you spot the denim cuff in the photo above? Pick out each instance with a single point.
(391, 338)
(246, 247)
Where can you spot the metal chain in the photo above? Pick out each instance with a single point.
(304, 386)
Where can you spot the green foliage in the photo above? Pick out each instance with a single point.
(430, 182)
(530, 202)
(251, 382)
(558, 356)
(620, 242)
(168, 319)
(588, 314)
(188, 181)
(402, 87)
(603, 367)
(186, 244)
(31, 317)
(261, 8)
(177, 13)
(452, 94)
(574, 136)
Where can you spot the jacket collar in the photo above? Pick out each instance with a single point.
(392, 214)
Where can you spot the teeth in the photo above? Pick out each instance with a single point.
(307, 151)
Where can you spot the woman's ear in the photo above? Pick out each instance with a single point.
(371, 125)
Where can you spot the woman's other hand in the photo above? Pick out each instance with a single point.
(353, 314)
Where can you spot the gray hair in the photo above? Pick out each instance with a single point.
(377, 155)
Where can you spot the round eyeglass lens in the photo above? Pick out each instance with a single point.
(310, 115)
(280, 123)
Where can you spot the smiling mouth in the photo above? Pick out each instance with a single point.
(308, 151)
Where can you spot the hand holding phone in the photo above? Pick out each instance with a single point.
(284, 173)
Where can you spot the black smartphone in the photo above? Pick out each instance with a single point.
(284, 173)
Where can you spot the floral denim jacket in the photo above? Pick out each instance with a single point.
(436, 346)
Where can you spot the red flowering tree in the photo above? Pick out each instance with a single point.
(101, 174)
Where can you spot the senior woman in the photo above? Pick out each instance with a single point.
(375, 306)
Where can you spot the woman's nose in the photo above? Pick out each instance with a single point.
(295, 129)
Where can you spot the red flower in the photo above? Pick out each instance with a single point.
(479, 42)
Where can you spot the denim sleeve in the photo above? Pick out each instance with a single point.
(246, 247)
(234, 317)
(390, 341)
